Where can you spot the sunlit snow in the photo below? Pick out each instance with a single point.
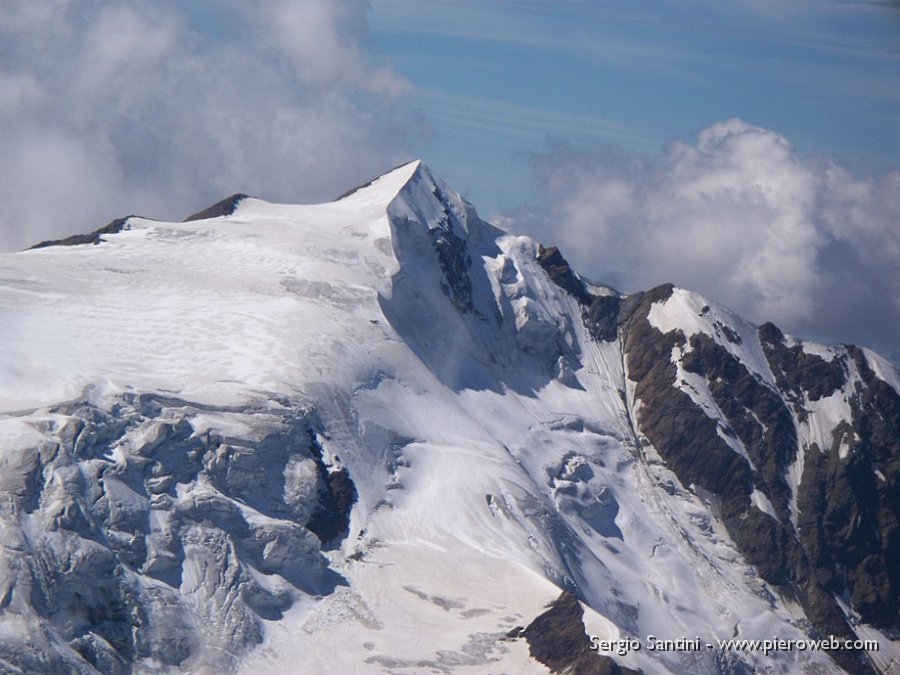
(492, 449)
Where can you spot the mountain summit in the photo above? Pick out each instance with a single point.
(383, 435)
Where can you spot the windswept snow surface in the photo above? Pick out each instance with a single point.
(485, 431)
(212, 310)
(691, 313)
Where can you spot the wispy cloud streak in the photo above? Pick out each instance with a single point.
(737, 214)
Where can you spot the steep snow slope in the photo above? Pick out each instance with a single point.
(192, 409)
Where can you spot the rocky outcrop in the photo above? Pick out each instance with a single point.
(849, 502)
(455, 263)
(559, 271)
(330, 518)
(142, 532)
(685, 436)
(557, 638)
(799, 374)
(95, 237)
(847, 528)
(224, 207)
(599, 313)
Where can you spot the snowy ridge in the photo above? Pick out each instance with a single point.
(357, 422)
(819, 426)
(799, 414)
(691, 313)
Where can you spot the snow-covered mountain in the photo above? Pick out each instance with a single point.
(382, 435)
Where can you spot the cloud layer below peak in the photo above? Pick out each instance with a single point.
(114, 107)
(739, 215)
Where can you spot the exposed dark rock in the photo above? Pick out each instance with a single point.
(601, 317)
(770, 334)
(635, 301)
(797, 372)
(453, 254)
(557, 639)
(684, 435)
(756, 414)
(689, 442)
(599, 313)
(730, 333)
(94, 237)
(224, 207)
(559, 271)
(515, 633)
(455, 262)
(850, 516)
(330, 520)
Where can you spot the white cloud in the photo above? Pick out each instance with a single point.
(740, 216)
(109, 108)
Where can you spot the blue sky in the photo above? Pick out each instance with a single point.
(745, 149)
(580, 123)
(497, 79)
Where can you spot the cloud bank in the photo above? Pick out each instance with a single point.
(113, 107)
(738, 215)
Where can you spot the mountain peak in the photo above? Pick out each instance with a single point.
(351, 422)
(398, 176)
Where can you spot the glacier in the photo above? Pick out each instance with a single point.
(383, 435)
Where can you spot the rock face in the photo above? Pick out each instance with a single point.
(288, 440)
(600, 313)
(136, 516)
(94, 237)
(814, 512)
(557, 639)
(224, 207)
